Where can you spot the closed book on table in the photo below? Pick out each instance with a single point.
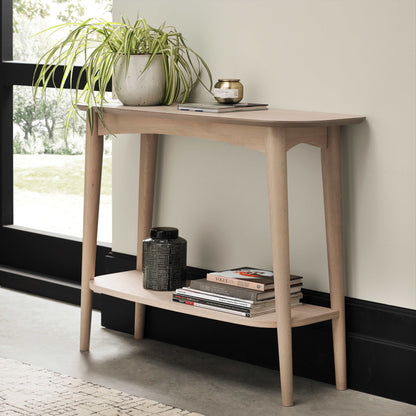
(184, 294)
(220, 309)
(229, 290)
(248, 277)
(270, 306)
(238, 291)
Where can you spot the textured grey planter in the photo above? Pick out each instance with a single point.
(139, 87)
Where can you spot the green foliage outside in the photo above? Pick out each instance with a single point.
(39, 127)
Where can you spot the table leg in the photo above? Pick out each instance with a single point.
(92, 185)
(331, 178)
(148, 157)
(276, 162)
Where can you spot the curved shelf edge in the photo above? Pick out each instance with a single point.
(129, 286)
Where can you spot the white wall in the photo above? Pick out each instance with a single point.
(353, 57)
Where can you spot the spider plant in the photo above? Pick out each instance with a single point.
(99, 44)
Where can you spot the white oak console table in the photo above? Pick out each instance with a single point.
(271, 131)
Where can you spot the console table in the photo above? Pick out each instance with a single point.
(273, 132)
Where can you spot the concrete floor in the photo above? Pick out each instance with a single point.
(45, 333)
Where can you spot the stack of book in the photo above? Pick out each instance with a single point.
(244, 291)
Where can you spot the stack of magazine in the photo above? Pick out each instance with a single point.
(245, 291)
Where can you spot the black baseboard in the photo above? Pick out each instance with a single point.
(381, 339)
(45, 286)
(45, 254)
(45, 264)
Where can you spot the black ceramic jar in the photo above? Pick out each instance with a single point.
(164, 259)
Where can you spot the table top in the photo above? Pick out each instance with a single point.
(273, 117)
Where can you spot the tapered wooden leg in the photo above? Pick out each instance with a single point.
(139, 319)
(92, 185)
(331, 178)
(276, 162)
(148, 156)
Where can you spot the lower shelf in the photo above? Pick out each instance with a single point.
(129, 286)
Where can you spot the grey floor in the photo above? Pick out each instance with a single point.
(45, 333)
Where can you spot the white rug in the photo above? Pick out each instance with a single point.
(32, 391)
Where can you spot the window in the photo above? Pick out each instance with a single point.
(41, 170)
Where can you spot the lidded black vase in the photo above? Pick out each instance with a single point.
(164, 259)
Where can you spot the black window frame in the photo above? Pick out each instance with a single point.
(25, 249)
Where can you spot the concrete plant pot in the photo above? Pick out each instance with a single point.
(138, 86)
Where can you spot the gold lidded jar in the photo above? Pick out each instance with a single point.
(228, 91)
